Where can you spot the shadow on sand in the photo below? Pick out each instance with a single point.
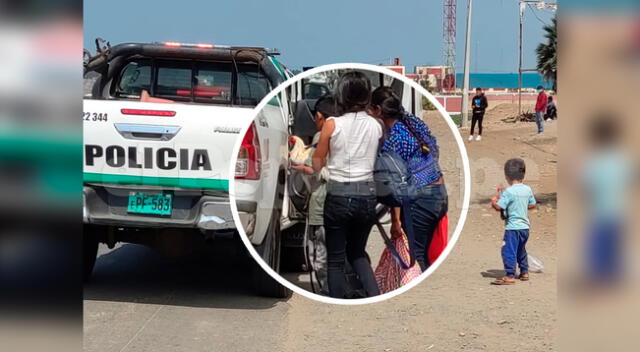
(493, 273)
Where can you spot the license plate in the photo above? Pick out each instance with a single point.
(145, 203)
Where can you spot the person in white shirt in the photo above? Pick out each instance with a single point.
(349, 145)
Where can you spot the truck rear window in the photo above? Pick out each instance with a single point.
(194, 81)
(134, 77)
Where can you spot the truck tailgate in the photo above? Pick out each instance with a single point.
(168, 145)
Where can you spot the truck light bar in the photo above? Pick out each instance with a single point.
(186, 45)
(269, 51)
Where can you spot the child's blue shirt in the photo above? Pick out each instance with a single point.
(515, 200)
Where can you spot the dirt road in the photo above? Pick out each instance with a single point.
(456, 308)
(141, 301)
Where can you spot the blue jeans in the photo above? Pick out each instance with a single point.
(426, 211)
(348, 219)
(514, 251)
(605, 250)
(540, 121)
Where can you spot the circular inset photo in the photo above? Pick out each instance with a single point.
(351, 185)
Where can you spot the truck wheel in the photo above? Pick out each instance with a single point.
(89, 249)
(292, 254)
(269, 250)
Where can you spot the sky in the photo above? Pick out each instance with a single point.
(313, 33)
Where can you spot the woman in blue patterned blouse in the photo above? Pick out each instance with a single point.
(410, 138)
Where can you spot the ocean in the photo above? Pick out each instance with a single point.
(503, 80)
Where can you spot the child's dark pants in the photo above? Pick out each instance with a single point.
(514, 251)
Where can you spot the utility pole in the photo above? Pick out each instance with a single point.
(522, 7)
(467, 61)
(523, 4)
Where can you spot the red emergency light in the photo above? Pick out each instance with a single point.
(146, 112)
(199, 45)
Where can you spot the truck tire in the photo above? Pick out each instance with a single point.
(269, 250)
(89, 249)
(292, 253)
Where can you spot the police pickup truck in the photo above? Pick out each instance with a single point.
(160, 122)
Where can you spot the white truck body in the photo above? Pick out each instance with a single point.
(189, 151)
(182, 148)
(160, 122)
(272, 129)
(162, 159)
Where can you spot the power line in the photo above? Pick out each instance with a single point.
(536, 15)
(377, 61)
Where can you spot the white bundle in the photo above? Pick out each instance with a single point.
(535, 264)
(299, 153)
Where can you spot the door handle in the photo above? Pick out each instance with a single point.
(146, 132)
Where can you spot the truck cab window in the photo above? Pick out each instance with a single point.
(134, 77)
(213, 83)
(174, 81)
(208, 82)
(253, 85)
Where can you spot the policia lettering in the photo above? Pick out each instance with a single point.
(117, 156)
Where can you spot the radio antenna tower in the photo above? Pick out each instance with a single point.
(449, 36)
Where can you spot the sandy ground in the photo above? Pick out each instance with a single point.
(456, 308)
(140, 300)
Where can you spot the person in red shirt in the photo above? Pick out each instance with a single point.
(541, 108)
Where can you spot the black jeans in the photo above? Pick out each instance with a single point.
(477, 117)
(348, 219)
(429, 206)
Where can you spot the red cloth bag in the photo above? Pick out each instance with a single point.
(440, 239)
(389, 274)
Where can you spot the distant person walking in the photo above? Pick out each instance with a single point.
(479, 105)
(541, 108)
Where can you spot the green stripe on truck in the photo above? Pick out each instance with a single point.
(276, 63)
(181, 182)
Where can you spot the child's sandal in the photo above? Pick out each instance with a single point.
(524, 277)
(504, 281)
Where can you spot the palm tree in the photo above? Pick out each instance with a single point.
(548, 55)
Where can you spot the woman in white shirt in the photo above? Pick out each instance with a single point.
(349, 145)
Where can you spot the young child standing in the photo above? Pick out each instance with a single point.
(515, 201)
